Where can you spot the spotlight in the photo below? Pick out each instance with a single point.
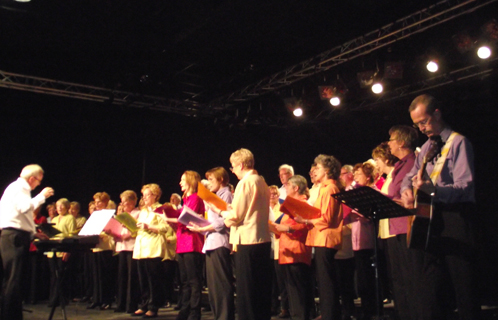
(335, 101)
(484, 52)
(298, 112)
(432, 66)
(377, 88)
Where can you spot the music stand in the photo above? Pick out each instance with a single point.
(375, 206)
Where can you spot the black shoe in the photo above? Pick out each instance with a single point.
(85, 299)
(119, 310)
(93, 306)
(176, 307)
(150, 316)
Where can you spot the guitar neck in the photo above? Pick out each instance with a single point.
(421, 174)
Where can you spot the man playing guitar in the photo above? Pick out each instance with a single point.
(449, 177)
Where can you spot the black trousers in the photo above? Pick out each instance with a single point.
(149, 273)
(190, 265)
(128, 294)
(169, 272)
(452, 256)
(59, 286)
(39, 280)
(400, 260)
(103, 277)
(345, 269)
(280, 278)
(88, 259)
(14, 248)
(220, 283)
(253, 278)
(330, 306)
(366, 282)
(299, 289)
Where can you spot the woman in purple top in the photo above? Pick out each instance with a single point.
(189, 249)
(217, 248)
(402, 143)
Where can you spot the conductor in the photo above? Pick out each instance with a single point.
(18, 229)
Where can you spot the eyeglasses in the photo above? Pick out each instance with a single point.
(234, 166)
(39, 180)
(422, 123)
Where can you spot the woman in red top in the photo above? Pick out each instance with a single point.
(294, 255)
(36, 282)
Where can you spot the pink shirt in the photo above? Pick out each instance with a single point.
(129, 244)
(188, 241)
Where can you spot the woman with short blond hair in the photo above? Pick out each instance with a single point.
(150, 249)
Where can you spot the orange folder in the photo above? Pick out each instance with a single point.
(210, 197)
(295, 207)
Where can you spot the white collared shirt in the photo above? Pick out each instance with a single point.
(17, 206)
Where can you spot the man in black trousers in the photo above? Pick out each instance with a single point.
(18, 229)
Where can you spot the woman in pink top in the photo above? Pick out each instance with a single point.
(189, 249)
(363, 244)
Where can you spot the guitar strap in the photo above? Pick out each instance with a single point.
(440, 161)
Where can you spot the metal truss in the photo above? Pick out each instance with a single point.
(415, 23)
(469, 73)
(90, 93)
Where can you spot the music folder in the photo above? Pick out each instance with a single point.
(294, 207)
(366, 200)
(188, 215)
(48, 229)
(210, 197)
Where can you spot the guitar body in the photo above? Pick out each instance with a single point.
(419, 226)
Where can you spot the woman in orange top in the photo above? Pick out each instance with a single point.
(294, 255)
(326, 234)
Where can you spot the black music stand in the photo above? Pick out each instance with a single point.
(63, 245)
(375, 206)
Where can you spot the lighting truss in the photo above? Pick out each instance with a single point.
(90, 93)
(403, 28)
(469, 73)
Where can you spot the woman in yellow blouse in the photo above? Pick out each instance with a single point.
(66, 224)
(150, 249)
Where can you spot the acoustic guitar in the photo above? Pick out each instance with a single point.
(419, 226)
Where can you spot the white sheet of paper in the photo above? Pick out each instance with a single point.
(97, 222)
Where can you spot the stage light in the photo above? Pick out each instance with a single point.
(298, 112)
(377, 88)
(335, 101)
(484, 52)
(432, 66)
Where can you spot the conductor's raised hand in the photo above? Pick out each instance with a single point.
(47, 192)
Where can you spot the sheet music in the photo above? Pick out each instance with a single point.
(188, 215)
(97, 222)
